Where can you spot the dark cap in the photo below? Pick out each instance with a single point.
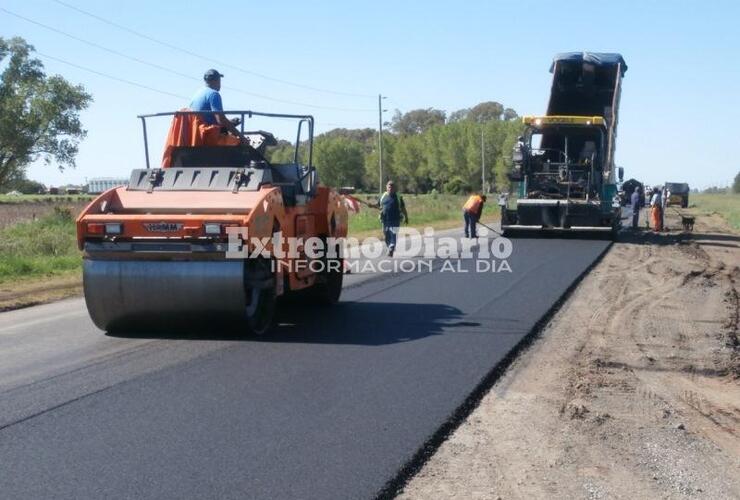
(212, 74)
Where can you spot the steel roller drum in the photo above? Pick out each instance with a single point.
(124, 292)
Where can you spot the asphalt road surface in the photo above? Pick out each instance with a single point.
(331, 405)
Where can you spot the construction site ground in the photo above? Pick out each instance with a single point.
(631, 391)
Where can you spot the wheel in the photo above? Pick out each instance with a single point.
(564, 221)
(260, 311)
(328, 285)
(616, 227)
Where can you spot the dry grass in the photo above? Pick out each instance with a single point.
(14, 213)
(52, 199)
(726, 205)
(43, 247)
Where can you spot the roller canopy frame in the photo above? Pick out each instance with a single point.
(307, 119)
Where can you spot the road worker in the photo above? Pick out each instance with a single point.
(656, 210)
(392, 210)
(663, 204)
(503, 200)
(635, 202)
(472, 211)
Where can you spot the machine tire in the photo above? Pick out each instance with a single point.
(259, 314)
(329, 288)
(564, 222)
(259, 318)
(616, 227)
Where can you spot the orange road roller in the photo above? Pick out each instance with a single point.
(216, 232)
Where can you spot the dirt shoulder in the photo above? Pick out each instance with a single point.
(631, 391)
(34, 291)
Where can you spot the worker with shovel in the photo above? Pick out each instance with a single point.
(472, 211)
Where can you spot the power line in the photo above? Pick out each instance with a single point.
(93, 44)
(170, 70)
(122, 80)
(206, 58)
(106, 75)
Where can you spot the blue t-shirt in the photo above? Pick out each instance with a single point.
(207, 99)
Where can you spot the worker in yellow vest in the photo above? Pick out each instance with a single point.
(472, 211)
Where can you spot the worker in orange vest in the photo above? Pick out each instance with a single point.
(472, 211)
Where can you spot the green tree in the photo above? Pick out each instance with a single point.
(486, 111)
(25, 186)
(410, 165)
(283, 152)
(422, 154)
(513, 130)
(417, 121)
(459, 115)
(340, 161)
(371, 162)
(39, 114)
(363, 135)
(736, 184)
(510, 114)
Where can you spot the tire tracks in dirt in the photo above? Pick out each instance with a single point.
(632, 390)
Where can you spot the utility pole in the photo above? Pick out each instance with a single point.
(380, 143)
(482, 162)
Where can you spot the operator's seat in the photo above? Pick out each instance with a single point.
(190, 130)
(213, 156)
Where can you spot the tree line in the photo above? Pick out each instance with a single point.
(424, 151)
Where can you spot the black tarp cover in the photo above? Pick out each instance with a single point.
(595, 58)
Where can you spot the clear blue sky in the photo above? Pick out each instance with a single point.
(680, 102)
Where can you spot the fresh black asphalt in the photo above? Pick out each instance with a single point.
(332, 405)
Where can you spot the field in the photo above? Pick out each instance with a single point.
(43, 198)
(438, 210)
(726, 205)
(27, 208)
(37, 233)
(45, 246)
